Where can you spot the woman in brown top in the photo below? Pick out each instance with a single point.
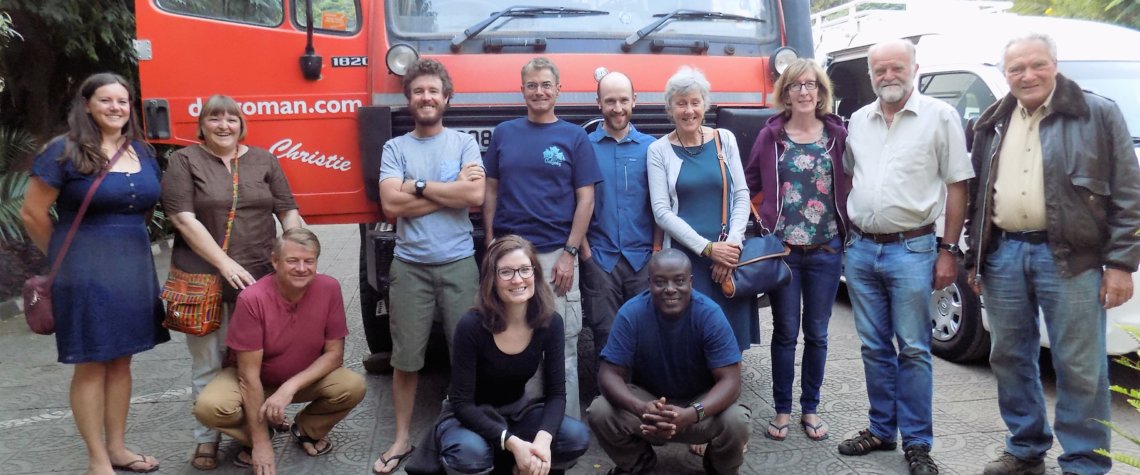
(197, 194)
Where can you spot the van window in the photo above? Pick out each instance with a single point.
(256, 12)
(965, 92)
(335, 16)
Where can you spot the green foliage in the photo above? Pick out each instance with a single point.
(258, 12)
(14, 145)
(1133, 396)
(1120, 12)
(6, 30)
(63, 42)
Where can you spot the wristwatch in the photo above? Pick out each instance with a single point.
(573, 251)
(951, 248)
(420, 185)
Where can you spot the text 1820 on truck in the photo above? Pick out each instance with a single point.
(319, 80)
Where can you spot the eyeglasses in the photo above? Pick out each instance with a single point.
(534, 86)
(678, 281)
(506, 273)
(806, 85)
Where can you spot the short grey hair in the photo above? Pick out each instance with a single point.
(905, 43)
(301, 236)
(1050, 44)
(537, 63)
(686, 80)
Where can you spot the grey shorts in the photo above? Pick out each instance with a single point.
(422, 293)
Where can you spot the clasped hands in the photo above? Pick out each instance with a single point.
(531, 458)
(662, 420)
(724, 256)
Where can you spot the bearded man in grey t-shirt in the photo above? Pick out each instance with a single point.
(429, 178)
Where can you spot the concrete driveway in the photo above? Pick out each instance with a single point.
(38, 435)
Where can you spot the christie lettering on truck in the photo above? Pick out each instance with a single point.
(285, 148)
(288, 107)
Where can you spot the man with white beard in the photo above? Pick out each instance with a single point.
(902, 150)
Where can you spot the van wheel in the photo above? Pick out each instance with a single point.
(956, 314)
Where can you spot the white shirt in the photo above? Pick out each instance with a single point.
(900, 171)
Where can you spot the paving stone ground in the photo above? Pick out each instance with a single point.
(38, 435)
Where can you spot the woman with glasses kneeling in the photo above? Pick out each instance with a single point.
(490, 418)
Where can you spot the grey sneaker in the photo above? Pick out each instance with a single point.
(1008, 464)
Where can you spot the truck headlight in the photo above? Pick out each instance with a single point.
(399, 57)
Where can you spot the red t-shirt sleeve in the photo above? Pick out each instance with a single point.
(336, 327)
(247, 329)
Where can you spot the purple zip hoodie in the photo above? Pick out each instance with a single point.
(763, 175)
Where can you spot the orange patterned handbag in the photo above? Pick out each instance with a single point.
(194, 301)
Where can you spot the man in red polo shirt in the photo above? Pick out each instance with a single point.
(286, 336)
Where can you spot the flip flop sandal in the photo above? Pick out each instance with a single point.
(780, 429)
(815, 428)
(399, 459)
(210, 456)
(239, 463)
(303, 439)
(131, 466)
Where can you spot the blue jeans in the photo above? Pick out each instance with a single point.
(463, 452)
(815, 280)
(1018, 278)
(890, 286)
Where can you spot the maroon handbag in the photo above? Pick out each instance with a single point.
(37, 290)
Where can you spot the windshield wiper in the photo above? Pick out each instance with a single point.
(519, 11)
(683, 14)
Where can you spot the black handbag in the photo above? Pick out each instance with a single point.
(761, 268)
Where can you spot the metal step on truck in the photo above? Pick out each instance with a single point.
(319, 81)
(959, 46)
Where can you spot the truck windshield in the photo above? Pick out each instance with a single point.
(423, 19)
(1115, 80)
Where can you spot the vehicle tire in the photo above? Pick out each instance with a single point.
(958, 334)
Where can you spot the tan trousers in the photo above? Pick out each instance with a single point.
(619, 434)
(219, 404)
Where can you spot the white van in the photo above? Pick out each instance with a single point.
(958, 54)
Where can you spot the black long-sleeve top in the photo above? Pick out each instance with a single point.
(483, 374)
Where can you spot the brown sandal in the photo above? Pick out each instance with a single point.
(865, 443)
(210, 457)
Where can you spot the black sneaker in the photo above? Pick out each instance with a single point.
(1009, 464)
(919, 461)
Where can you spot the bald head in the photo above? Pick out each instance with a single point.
(669, 258)
(892, 48)
(616, 99)
(615, 80)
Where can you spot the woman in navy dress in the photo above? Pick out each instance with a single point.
(105, 295)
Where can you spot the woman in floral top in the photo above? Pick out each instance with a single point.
(797, 167)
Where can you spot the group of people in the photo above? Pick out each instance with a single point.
(630, 236)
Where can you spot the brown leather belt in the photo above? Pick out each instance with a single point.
(887, 238)
(1031, 237)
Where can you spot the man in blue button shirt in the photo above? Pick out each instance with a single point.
(621, 236)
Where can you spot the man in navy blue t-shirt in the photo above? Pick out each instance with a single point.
(541, 173)
(670, 373)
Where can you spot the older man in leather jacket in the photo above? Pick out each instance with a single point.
(1054, 223)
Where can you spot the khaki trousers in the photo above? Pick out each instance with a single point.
(219, 404)
(619, 434)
